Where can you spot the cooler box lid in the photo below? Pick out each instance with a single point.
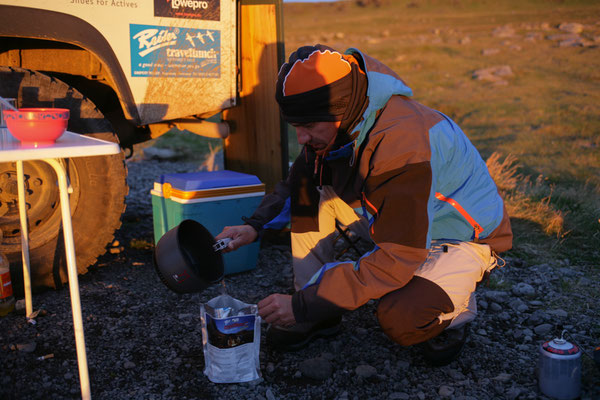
(208, 180)
(195, 185)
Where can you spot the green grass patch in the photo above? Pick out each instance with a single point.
(140, 244)
(496, 283)
(192, 147)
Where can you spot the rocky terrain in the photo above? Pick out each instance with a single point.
(144, 341)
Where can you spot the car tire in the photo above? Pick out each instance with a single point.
(99, 187)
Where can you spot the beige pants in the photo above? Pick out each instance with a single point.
(454, 266)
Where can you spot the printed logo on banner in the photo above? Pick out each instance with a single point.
(164, 51)
(196, 9)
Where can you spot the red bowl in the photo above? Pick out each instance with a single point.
(37, 126)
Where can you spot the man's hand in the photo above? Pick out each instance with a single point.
(276, 309)
(240, 235)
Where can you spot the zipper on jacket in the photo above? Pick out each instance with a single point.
(353, 156)
(366, 213)
(476, 227)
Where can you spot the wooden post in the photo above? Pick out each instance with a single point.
(258, 141)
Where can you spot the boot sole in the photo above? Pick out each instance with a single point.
(444, 356)
(323, 333)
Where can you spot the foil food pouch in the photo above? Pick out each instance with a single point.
(230, 340)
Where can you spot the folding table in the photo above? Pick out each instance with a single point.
(69, 145)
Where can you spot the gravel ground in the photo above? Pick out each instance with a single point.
(144, 342)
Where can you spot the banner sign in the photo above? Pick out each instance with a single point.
(173, 52)
(196, 9)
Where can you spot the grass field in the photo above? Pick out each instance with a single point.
(545, 117)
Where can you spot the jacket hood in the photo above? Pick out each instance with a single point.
(383, 83)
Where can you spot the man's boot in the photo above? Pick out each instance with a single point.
(298, 336)
(445, 348)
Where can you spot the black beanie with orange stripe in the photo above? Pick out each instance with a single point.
(318, 84)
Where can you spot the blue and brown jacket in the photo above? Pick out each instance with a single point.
(413, 173)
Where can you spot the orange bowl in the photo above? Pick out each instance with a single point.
(37, 126)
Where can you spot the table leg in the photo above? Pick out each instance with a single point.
(73, 279)
(24, 239)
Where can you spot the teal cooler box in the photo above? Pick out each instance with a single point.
(215, 199)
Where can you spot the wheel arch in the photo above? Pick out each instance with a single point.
(58, 29)
(99, 187)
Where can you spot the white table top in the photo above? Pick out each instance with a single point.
(67, 146)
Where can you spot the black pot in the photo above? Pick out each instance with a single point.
(185, 260)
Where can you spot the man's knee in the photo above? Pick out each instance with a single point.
(409, 315)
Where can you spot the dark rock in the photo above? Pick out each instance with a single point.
(365, 371)
(543, 329)
(538, 317)
(316, 368)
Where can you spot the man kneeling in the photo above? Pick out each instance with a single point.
(399, 174)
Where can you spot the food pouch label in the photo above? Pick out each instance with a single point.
(230, 332)
(230, 340)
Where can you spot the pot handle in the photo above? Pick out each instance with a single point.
(221, 244)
